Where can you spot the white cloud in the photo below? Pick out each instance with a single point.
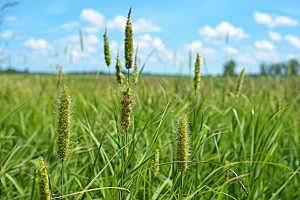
(222, 30)
(117, 24)
(70, 25)
(91, 49)
(92, 20)
(197, 46)
(264, 44)
(291, 56)
(265, 18)
(245, 58)
(114, 47)
(274, 36)
(7, 34)
(147, 41)
(92, 17)
(11, 18)
(141, 25)
(39, 44)
(295, 41)
(89, 39)
(230, 50)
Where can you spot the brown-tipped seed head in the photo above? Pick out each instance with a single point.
(119, 73)
(135, 74)
(64, 128)
(239, 83)
(43, 182)
(126, 108)
(197, 77)
(106, 49)
(182, 142)
(128, 43)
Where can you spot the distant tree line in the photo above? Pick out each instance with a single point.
(290, 68)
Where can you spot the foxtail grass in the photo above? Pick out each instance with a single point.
(119, 73)
(135, 74)
(43, 182)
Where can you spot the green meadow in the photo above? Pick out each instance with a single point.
(244, 147)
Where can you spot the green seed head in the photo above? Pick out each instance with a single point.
(106, 50)
(239, 84)
(197, 77)
(119, 73)
(43, 182)
(59, 81)
(64, 126)
(156, 163)
(126, 108)
(182, 142)
(135, 75)
(128, 43)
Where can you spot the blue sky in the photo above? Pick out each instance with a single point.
(39, 35)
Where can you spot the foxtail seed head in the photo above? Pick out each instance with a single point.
(126, 108)
(119, 73)
(239, 83)
(182, 142)
(156, 163)
(135, 75)
(197, 77)
(41, 171)
(106, 49)
(128, 43)
(64, 127)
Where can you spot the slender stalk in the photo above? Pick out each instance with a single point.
(128, 77)
(62, 179)
(181, 185)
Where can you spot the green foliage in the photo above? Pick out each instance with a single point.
(229, 68)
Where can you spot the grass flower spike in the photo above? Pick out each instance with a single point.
(156, 163)
(119, 73)
(126, 108)
(41, 171)
(106, 50)
(239, 84)
(135, 74)
(182, 142)
(64, 128)
(128, 43)
(59, 78)
(197, 77)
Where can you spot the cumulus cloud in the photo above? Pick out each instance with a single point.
(230, 50)
(295, 41)
(291, 56)
(222, 30)
(147, 41)
(271, 22)
(274, 36)
(245, 58)
(141, 25)
(70, 25)
(92, 17)
(197, 46)
(7, 34)
(264, 44)
(38, 44)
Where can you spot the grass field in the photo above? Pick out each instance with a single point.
(257, 137)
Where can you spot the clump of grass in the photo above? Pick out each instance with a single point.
(239, 83)
(197, 77)
(106, 49)
(41, 171)
(119, 73)
(128, 43)
(135, 74)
